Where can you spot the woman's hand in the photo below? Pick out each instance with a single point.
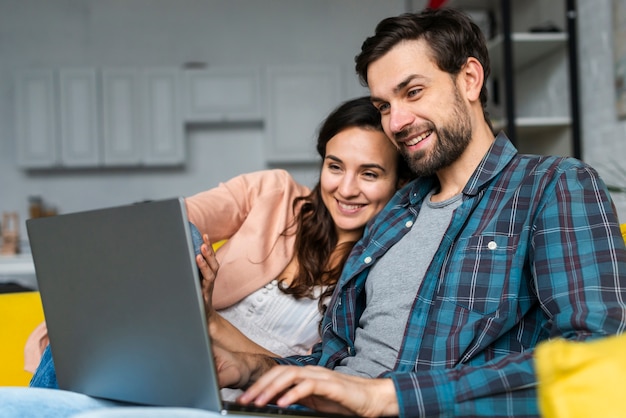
(208, 265)
(324, 390)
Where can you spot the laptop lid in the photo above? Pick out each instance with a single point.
(123, 305)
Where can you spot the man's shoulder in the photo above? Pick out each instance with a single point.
(542, 164)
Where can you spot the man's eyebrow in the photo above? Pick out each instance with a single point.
(399, 87)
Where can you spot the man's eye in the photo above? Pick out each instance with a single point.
(414, 92)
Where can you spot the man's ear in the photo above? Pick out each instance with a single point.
(472, 79)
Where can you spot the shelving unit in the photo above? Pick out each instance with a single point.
(533, 85)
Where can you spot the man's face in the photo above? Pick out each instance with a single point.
(422, 108)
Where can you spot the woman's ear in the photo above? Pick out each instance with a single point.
(472, 79)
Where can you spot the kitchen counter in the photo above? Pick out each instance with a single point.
(18, 269)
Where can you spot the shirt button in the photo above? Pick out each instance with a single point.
(367, 260)
(408, 224)
(492, 245)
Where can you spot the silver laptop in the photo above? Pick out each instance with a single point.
(123, 304)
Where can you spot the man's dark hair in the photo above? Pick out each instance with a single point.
(452, 36)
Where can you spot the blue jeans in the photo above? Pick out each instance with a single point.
(45, 376)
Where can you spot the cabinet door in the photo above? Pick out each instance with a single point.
(121, 117)
(299, 99)
(79, 118)
(36, 123)
(163, 127)
(222, 95)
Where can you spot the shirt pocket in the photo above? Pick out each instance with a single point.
(484, 275)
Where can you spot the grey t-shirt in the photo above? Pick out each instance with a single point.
(391, 288)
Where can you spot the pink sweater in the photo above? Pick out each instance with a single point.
(252, 211)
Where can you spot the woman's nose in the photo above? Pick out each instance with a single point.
(348, 187)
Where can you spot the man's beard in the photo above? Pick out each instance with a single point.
(452, 140)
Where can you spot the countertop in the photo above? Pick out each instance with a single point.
(18, 269)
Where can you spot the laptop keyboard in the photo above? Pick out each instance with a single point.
(272, 410)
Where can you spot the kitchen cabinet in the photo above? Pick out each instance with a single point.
(222, 94)
(36, 122)
(121, 117)
(298, 100)
(85, 118)
(163, 127)
(142, 125)
(56, 118)
(80, 142)
(534, 82)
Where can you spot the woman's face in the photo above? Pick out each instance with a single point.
(359, 176)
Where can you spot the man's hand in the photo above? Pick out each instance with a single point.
(324, 390)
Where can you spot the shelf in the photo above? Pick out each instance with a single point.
(529, 125)
(527, 48)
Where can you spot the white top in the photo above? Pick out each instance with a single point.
(277, 321)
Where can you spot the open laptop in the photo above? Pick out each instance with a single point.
(123, 304)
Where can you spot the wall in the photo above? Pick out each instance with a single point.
(99, 33)
(604, 136)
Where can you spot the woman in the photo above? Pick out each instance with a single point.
(265, 288)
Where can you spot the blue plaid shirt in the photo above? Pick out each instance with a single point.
(533, 252)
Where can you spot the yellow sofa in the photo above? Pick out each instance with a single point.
(20, 313)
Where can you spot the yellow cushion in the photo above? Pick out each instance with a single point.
(582, 379)
(20, 313)
(623, 228)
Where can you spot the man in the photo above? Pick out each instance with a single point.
(468, 268)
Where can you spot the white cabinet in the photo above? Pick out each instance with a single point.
(222, 94)
(79, 117)
(36, 123)
(163, 126)
(57, 118)
(141, 117)
(298, 101)
(121, 117)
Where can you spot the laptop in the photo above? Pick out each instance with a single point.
(122, 299)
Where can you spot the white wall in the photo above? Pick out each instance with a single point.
(143, 33)
(604, 136)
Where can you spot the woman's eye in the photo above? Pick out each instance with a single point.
(334, 167)
(370, 176)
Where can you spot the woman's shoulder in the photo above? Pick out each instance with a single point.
(272, 179)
